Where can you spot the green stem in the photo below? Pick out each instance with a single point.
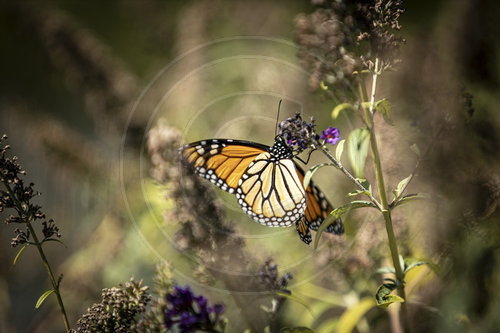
(381, 186)
(348, 174)
(51, 276)
(55, 285)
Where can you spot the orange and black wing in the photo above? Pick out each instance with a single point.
(271, 192)
(222, 161)
(317, 210)
(267, 189)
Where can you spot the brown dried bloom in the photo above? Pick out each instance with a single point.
(344, 36)
(119, 310)
(17, 196)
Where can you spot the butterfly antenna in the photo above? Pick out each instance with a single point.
(277, 119)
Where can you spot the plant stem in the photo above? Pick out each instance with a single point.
(381, 187)
(55, 285)
(37, 243)
(348, 174)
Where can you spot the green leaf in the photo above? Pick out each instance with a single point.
(323, 86)
(339, 150)
(411, 263)
(310, 172)
(295, 299)
(384, 107)
(400, 186)
(414, 148)
(19, 253)
(383, 298)
(358, 150)
(43, 297)
(299, 329)
(341, 107)
(336, 213)
(408, 198)
(366, 185)
(386, 269)
(353, 315)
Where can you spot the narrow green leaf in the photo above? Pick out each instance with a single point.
(400, 186)
(341, 107)
(339, 150)
(408, 198)
(414, 148)
(356, 192)
(383, 298)
(19, 253)
(43, 297)
(336, 213)
(295, 299)
(323, 86)
(353, 315)
(386, 269)
(358, 142)
(411, 263)
(59, 280)
(310, 172)
(384, 107)
(365, 184)
(296, 330)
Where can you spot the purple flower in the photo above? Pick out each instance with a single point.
(331, 135)
(190, 312)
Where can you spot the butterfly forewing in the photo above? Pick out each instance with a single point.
(221, 161)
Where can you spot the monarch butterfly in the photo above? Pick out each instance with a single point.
(267, 182)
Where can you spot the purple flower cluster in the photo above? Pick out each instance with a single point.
(301, 135)
(298, 133)
(331, 135)
(191, 313)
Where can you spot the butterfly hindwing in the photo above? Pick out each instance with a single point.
(318, 208)
(271, 193)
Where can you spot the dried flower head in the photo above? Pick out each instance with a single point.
(118, 311)
(16, 195)
(298, 133)
(270, 281)
(190, 313)
(343, 36)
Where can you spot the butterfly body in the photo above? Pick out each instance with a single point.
(266, 181)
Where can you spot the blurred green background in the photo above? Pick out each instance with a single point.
(82, 82)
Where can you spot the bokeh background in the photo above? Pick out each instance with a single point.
(82, 83)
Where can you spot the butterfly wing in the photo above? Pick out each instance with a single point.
(222, 161)
(271, 193)
(318, 208)
(267, 189)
